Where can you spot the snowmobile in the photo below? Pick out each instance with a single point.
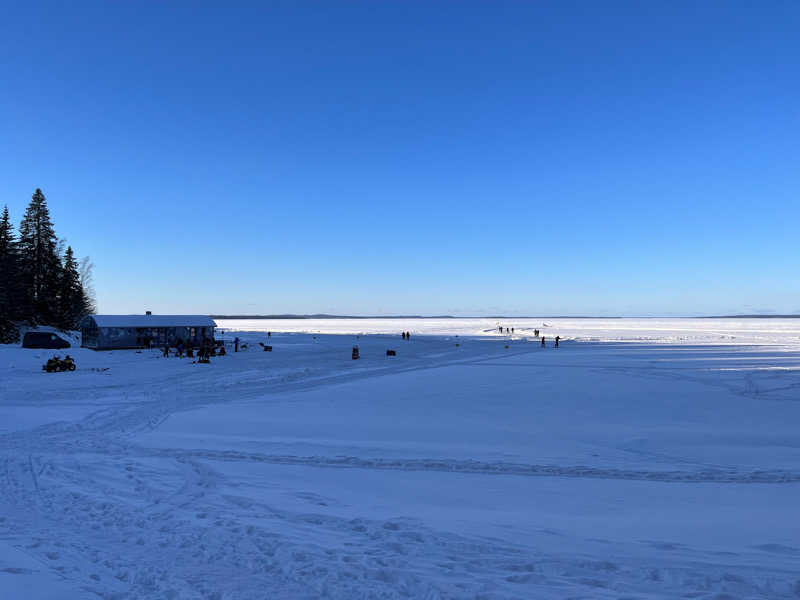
(56, 365)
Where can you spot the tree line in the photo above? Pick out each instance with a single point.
(41, 281)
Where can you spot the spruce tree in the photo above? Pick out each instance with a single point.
(71, 298)
(40, 267)
(9, 282)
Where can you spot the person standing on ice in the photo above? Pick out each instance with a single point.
(557, 338)
(542, 341)
(236, 345)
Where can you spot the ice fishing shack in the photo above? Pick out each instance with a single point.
(109, 332)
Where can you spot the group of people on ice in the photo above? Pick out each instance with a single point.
(510, 331)
(558, 337)
(205, 350)
(208, 348)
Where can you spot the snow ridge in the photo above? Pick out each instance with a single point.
(498, 468)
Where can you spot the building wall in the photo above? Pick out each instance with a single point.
(136, 337)
(90, 334)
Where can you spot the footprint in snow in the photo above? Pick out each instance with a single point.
(16, 571)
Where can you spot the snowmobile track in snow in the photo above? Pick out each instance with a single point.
(496, 468)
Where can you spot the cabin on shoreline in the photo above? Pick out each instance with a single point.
(111, 332)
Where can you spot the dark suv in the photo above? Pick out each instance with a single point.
(43, 339)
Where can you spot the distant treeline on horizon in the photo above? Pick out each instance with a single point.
(325, 316)
(795, 316)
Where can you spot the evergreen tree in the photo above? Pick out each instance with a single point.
(9, 282)
(40, 267)
(71, 298)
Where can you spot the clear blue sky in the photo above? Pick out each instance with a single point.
(610, 158)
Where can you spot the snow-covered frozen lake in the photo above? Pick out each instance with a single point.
(654, 330)
(651, 458)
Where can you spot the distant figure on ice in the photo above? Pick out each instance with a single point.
(557, 338)
(512, 330)
(542, 341)
(269, 334)
(408, 335)
(536, 332)
(501, 329)
(236, 345)
(404, 335)
(203, 355)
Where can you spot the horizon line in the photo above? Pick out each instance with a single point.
(329, 316)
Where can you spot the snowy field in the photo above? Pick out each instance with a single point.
(661, 331)
(641, 459)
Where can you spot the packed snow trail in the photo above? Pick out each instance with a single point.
(303, 474)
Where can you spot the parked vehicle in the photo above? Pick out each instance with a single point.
(57, 365)
(44, 339)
